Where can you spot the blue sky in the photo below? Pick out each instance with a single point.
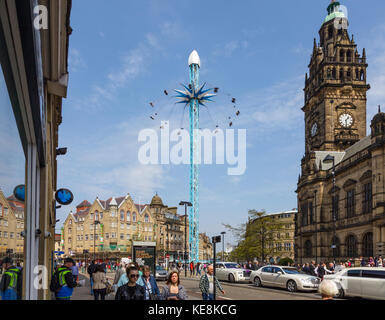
(123, 54)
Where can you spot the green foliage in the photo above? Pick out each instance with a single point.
(254, 237)
(285, 261)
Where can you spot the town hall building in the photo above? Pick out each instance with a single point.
(340, 191)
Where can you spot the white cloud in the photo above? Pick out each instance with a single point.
(133, 65)
(75, 60)
(276, 107)
(230, 47)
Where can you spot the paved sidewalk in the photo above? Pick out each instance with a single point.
(84, 293)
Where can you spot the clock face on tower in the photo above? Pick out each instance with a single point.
(345, 120)
(314, 129)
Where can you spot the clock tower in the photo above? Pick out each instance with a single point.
(335, 88)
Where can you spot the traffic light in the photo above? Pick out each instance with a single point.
(216, 239)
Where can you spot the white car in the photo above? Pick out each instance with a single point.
(231, 271)
(284, 277)
(364, 282)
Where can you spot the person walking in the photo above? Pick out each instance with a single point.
(191, 268)
(90, 270)
(198, 269)
(11, 281)
(100, 283)
(173, 289)
(207, 283)
(119, 273)
(149, 283)
(131, 290)
(380, 262)
(62, 282)
(312, 268)
(306, 269)
(75, 272)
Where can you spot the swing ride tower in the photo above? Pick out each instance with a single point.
(194, 66)
(194, 96)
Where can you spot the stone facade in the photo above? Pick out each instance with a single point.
(280, 241)
(11, 226)
(345, 219)
(205, 248)
(119, 221)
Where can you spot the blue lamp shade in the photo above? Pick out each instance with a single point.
(64, 196)
(19, 192)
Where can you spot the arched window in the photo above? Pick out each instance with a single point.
(308, 249)
(101, 215)
(304, 213)
(121, 215)
(349, 56)
(133, 217)
(146, 218)
(334, 73)
(342, 56)
(341, 74)
(128, 216)
(96, 216)
(362, 75)
(349, 74)
(367, 245)
(351, 246)
(330, 32)
(329, 73)
(357, 74)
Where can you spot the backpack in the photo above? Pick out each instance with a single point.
(55, 285)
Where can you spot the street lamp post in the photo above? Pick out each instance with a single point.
(95, 223)
(185, 204)
(330, 159)
(214, 241)
(223, 245)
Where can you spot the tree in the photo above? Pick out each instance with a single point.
(285, 261)
(256, 238)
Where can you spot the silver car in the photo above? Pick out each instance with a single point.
(284, 277)
(160, 273)
(364, 282)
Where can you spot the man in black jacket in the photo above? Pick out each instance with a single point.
(131, 290)
(90, 270)
(312, 268)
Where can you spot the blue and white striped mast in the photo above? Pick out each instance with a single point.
(194, 65)
(194, 96)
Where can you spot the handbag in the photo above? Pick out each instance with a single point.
(151, 295)
(109, 288)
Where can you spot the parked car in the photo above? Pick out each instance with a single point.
(284, 277)
(160, 273)
(231, 271)
(364, 282)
